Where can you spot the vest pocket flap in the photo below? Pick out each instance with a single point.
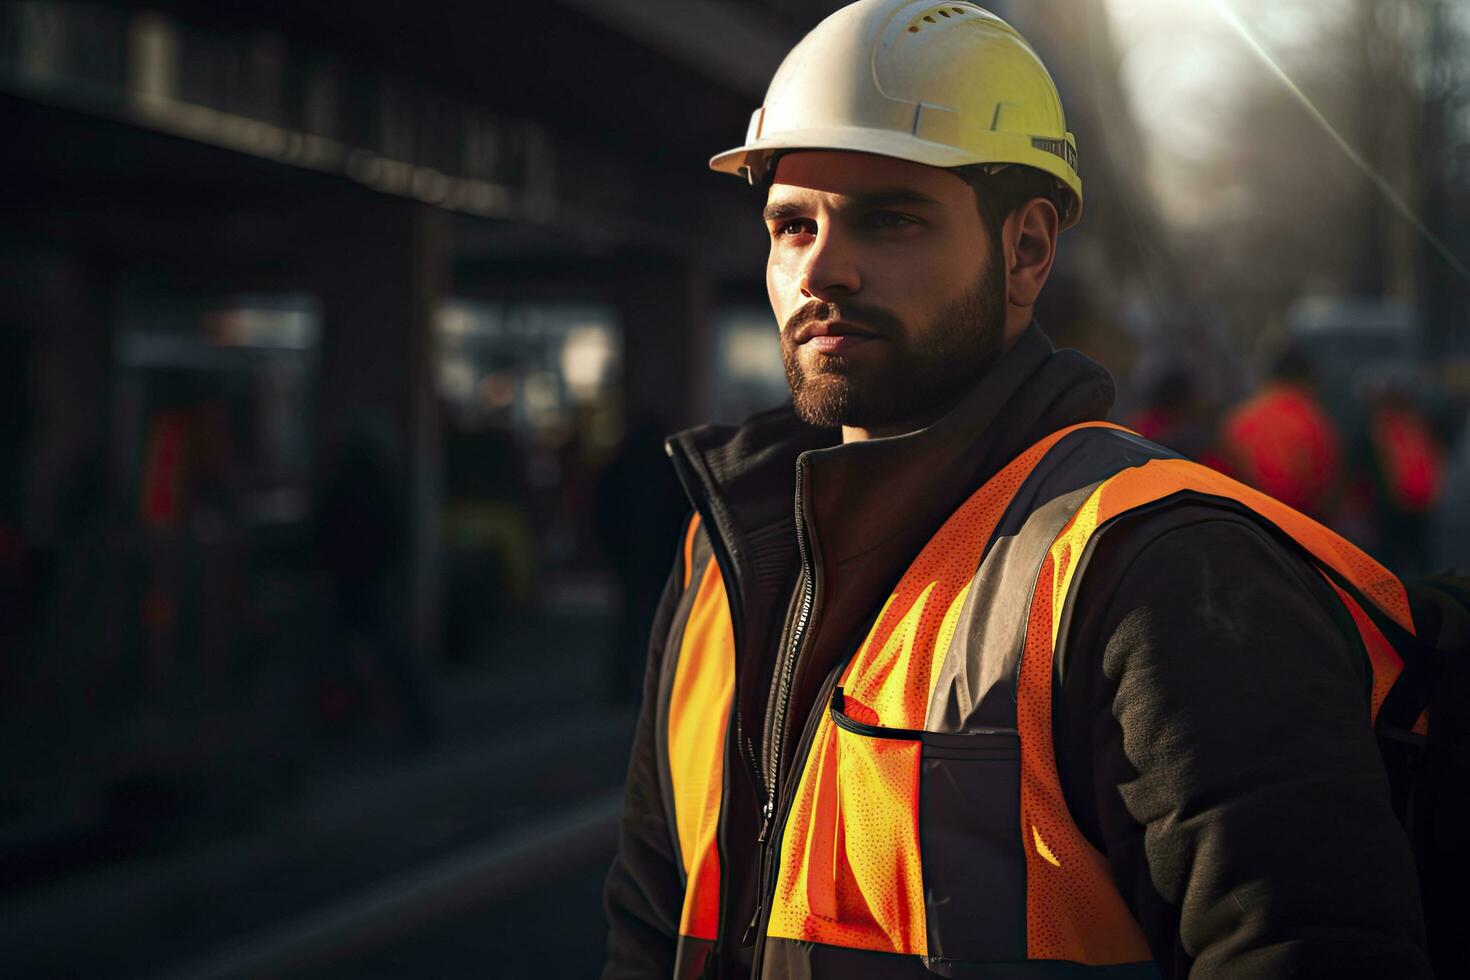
(849, 724)
(997, 743)
(996, 746)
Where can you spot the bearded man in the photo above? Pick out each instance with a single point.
(951, 677)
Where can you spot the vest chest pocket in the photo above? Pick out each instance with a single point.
(969, 833)
(964, 810)
(905, 841)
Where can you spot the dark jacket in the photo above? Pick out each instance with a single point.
(1211, 708)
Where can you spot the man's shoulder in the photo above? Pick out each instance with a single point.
(1199, 564)
(1198, 530)
(1163, 501)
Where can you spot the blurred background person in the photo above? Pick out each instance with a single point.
(1282, 441)
(1404, 463)
(1451, 527)
(488, 538)
(639, 509)
(361, 543)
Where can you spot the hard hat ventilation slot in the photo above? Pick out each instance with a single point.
(946, 12)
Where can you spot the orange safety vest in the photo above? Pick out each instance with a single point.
(1410, 458)
(1282, 443)
(928, 821)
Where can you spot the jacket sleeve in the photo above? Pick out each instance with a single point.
(1214, 733)
(644, 892)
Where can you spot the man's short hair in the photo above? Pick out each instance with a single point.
(998, 192)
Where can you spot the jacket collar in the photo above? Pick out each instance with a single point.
(870, 505)
(871, 495)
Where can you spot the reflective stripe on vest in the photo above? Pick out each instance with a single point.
(951, 841)
(698, 713)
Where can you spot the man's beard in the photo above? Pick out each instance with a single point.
(920, 379)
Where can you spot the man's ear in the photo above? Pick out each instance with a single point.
(1029, 237)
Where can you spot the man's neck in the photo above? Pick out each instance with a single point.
(854, 434)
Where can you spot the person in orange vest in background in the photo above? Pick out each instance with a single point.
(1406, 462)
(1282, 441)
(1450, 527)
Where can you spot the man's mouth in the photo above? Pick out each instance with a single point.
(832, 336)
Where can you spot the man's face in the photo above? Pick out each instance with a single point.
(886, 284)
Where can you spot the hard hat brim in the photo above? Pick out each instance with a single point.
(876, 141)
(751, 160)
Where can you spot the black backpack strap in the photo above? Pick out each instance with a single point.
(1414, 689)
(1441, 607)
(1438, 774)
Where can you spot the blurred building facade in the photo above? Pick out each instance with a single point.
(319, 323)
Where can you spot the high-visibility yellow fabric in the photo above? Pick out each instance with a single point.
(699, 712)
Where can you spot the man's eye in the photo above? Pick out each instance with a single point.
(796, 226)
(885, 220)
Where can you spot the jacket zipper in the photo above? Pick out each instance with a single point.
(772, 781)
(745, 749)
(804, 611)
(756, 931)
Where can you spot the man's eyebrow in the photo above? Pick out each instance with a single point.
(781, 210)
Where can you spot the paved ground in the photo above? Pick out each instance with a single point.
(483, 857)
(553, 930)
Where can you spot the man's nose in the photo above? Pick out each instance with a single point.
(831, 268)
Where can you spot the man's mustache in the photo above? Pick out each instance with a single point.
(862, 317)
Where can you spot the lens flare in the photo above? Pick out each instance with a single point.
(1228, 14)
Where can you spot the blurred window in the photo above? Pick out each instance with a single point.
(543, 370)
(237, 375)
(747, 371)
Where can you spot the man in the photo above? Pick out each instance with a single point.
(950, 677)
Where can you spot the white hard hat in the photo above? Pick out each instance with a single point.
(943, 84)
